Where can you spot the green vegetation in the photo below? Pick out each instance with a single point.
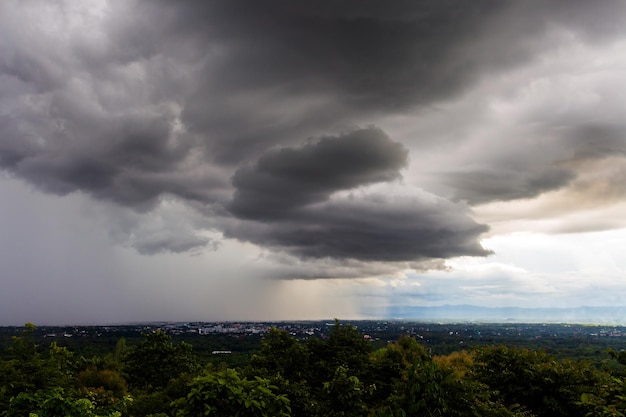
(341, 374)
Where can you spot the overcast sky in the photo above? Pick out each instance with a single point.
(245, 160)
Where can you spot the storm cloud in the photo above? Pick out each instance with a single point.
(477, 187)
(252, 116)
(373, 226)
(186, 160)
(293, 195)
(287, 179)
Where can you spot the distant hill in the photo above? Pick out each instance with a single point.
(456, 313)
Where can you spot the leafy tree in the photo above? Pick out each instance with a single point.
(390, 366)
(57, 402)
(344, 395)
(422, 386)
(466, 396)
(105, 387)
(423, 394)
(58, 367)
(344, 347)
(226, 394)
(535, 380)
(23, 348)
(118, 355)
(27, 371)
(338, 376)
(460, 362)
(23, 370)
(151, 364)
(282, 355)
(284, 361)
(608, 399)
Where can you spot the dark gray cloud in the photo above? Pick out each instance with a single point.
(531, 172)
(376, 228)
(592, 141)
(356, 60)
(172, 243)
(478, 187)
(289, 193)
(286, 179)
(129, 160)
(133, 101)
(373, 228)
(241, 78)
(345, 63)
(86, 111)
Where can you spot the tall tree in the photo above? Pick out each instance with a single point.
(151, 364)
(226, 394)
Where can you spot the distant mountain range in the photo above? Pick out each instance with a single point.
(461, 313)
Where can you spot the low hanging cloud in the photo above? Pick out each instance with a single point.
(298, 200)
(374, 227)
(554, 167)
(287, 179)
(169, 227)
(478, 187)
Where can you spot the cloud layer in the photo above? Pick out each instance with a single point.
(286, 179)
(194, 121)
(293, 196)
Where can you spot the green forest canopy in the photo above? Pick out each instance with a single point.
(340, 375)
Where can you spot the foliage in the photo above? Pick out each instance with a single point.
(390, 366)
(535, 380)
(226, 394)
(344, 347)
(156, 360)
(344, 395)
(56, 402)
(609, 397)
(28, 371)
(281, 355)
(338, 376)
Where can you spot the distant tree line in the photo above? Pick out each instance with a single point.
(339, 376)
